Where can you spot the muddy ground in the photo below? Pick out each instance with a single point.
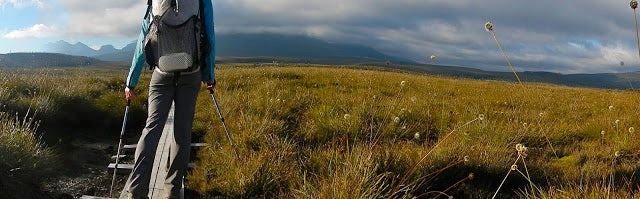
(84, 163)
(84, 170)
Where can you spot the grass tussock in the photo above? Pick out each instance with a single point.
(24, 161)
(43, 111)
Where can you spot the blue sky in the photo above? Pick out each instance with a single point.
(587, 36)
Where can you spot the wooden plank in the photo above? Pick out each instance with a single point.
(159, 171)
(93, 197)
(120, 166)
(120, 157)
(132, 147)
(125, 168)
(191, 165)
(129, 148)
(160, 163)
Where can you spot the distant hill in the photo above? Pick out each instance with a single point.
(294, 48)
(267, 48)
(63, 47)
(107, 49)
(252, 48)
(599, 80)
(36, 60)
(105, 53)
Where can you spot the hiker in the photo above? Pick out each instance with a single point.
(180, 61)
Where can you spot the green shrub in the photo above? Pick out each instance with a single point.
(24, 161)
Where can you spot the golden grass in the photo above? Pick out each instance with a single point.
(328, 114)
(346, 132)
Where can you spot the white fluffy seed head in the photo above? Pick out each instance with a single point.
(416, 136)
(521, 148)
(488, 26)
(396, 119)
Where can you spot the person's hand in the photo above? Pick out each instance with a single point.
(129, 94)
(210, 84)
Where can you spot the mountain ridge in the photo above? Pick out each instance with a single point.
(268, 48)
(599, 80)
(236, 45)
(39, 60)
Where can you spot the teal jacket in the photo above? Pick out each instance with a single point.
(207, 70)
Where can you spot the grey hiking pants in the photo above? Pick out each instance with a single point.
(164, 89)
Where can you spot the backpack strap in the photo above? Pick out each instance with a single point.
(149, 3)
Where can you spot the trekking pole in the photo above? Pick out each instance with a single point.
(223, 123)
(124, 124)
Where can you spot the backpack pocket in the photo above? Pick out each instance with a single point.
(177, 45)
(150, 45)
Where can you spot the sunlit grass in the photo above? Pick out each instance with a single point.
(400, 117)
(349, 132)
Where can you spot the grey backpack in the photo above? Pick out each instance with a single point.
(173, 42)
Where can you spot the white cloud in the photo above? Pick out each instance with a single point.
(21, 3)
(35, 31)
(108, 18)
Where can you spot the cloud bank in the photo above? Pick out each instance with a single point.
(560, 36)
(108, 18)
(35, 31)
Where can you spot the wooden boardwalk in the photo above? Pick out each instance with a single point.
(161, 161)
(160, 164)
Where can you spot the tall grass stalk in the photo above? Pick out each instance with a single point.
(506, 176)
(634, 5)
(489, 28)
(415, 166)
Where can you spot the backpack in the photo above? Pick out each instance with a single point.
(175, 40)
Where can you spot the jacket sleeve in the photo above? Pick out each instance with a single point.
(138, 56)
(210, 60)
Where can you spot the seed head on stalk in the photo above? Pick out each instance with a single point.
(634, 4)
(489, 28)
